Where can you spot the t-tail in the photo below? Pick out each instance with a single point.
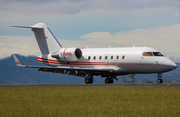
(46, 40)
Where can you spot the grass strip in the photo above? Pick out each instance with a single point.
(101, 102)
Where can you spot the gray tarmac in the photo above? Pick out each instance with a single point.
(89, 85)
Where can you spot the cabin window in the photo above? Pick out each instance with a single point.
(117, 57)
(89, 57)
(123, 57)
(157, 54)
(94, 57)
(105, 57)
(111, 57)
(99, 57)
(147, 54)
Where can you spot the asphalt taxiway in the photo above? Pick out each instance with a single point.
(89, 85)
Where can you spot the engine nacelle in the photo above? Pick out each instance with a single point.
(68, 54)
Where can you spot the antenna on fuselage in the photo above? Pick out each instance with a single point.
(87, 46)
(133, 45)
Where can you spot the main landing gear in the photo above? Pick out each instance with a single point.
(159, 80)
(89, 79)
(110, 80)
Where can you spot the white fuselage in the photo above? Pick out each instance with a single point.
(106, 62)
(127, 60)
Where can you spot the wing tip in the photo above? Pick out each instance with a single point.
(18, 63)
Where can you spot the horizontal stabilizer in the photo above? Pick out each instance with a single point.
(27, 27)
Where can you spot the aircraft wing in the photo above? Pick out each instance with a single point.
(77, 71)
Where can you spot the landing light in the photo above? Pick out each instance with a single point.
(174, 68)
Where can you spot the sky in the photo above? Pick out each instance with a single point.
(92, 23)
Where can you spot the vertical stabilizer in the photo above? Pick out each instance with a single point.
(45, 39)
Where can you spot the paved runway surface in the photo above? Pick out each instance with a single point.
(88, 85)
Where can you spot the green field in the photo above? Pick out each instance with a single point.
(88, 102)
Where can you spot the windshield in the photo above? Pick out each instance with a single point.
(152, 54)
(157, 54)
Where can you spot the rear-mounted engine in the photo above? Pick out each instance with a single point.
(68, 54)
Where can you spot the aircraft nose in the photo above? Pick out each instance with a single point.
(173, 65)
(170, 65)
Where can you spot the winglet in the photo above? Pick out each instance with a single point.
(17, 61)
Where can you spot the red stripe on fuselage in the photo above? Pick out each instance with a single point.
(50, 61)
(43, 59)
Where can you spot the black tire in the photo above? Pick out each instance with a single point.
(159, 81)
(88, 81)
(91, 81)
(109, 80)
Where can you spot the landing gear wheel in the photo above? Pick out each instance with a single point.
(159, 81)
(88, 80)
(109, 80)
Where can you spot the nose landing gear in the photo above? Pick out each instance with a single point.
(159, 80)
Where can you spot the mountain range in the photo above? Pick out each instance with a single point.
(11, 74)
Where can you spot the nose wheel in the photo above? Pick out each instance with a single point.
(159, 81)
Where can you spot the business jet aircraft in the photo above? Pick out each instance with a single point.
(104, 62)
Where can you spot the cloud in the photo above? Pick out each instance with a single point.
(166, 39)
(176, 14)
(18, 44)
(44, 8)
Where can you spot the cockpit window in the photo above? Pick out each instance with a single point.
(157, 54)
(147, 54)
(152, 54)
